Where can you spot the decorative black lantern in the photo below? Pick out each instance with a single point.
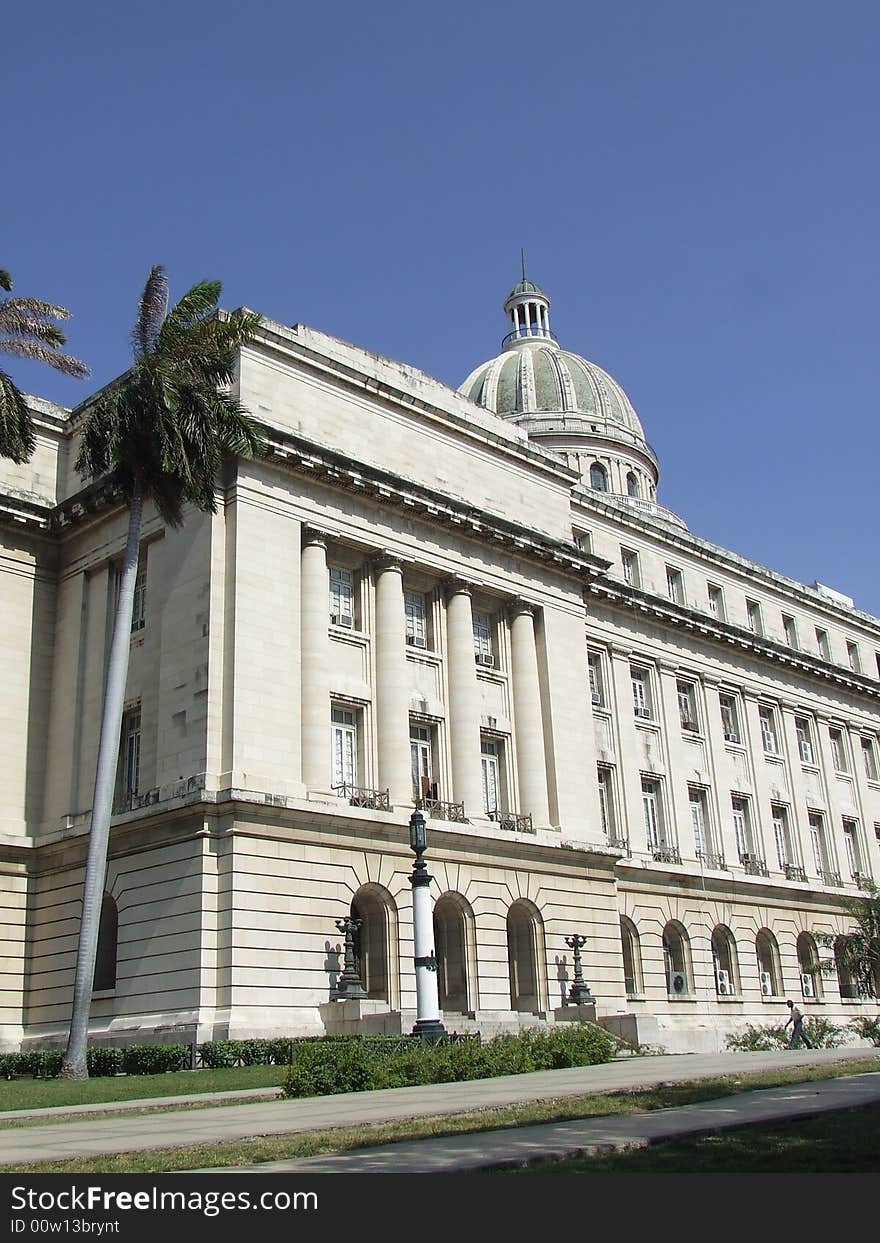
(418, 833)
(579, 994)
(348, 986)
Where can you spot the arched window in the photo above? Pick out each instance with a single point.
(632, 484)
(632, 957)
(769, 974)
(724, 960)
(676, 958)
(808, 965)
(525, 956)
(598, 477)
(846, 980)
(454, 946)
(375, 942)
(108, 936)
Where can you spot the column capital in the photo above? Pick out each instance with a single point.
(518, 608)
(387, 562)
(455, 586)
(313, 535)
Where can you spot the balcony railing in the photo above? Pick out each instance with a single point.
(793, 872)
(437, 809)
(359, 796)
(132, 802)
(523, 334)
(665, 854)
(831, 878)
(511, 822)
(753, 865)
(621, 844)
(863, 880)
(709, 860)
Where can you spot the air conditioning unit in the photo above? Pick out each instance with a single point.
(484, 658)
(725, 988)
(730, 737)
(808, 988)
(691, 725)
(416, 640)
(677, 983)
(643, 712)
(596, 697)
(766, 984)
(342, 619)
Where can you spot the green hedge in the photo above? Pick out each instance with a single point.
(868, 1029)
(821, 1033)
(322, 1068)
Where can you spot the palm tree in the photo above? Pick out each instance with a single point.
(158, 433)
(27, 330)
(858, 950)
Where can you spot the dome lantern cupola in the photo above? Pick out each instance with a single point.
(529, 310)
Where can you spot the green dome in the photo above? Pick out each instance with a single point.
(525, 287)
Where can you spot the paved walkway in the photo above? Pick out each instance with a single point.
(119, 1133)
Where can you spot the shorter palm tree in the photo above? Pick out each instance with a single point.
(159, 433)
(28, 330)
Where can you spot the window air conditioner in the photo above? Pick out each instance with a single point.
(691, 725)
(725, 988)
(416, 640)
(808, 988)
(342, 619)
(643, 712)
(731, 737)
(766, 984)
(596, 697)
(484, 658)
(677, 983)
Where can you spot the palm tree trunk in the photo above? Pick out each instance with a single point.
(74, 1064)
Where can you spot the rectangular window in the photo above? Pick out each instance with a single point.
(687, 706)
(851, 841)
(839, 753)
(789, 628)
(768, 730)
(341, 596)
(742, 829)
(597, 681)
(421, 762)
(869, 755)
(823, 644)
(641, 689)
(716, 601)
(343, 744)
(653, 813)
(753, 613)
(804, 740)
(139, 606)
(606, 800)
(674, 585)
(416, 619)
(730, 718)
(129, 766)
(781, 835)
(584, 541)
(630, 562)
(817, 843)
(483, 640)
(699, 821)
(490, 762)
(852, 655)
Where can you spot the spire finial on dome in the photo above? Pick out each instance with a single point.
(522, 255)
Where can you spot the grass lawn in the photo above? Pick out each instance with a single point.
(314, 1143)
(44, 1093)
(836, 1143)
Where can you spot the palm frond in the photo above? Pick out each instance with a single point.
(5, 280)
(22, 348)
(15, 322)
(35, 307)
(17, 437)
(151, 312)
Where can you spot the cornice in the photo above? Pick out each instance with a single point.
(663, 610)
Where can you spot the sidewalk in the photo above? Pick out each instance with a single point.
(119, 1133)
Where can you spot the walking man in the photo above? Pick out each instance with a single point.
(797, 1031)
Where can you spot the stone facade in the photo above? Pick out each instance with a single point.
(398, 603)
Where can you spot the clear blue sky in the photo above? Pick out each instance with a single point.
(695, 184)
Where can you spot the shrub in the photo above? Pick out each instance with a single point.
(41, 1063)
(357, 1064)
(823, 1034)
(758, 1039)
(8, 1065)
(217, 1054)
(154, 1059)
(867, 1028)
(104, 1061)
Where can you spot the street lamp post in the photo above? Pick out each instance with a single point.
(348, 986)
(579, 994)
(428, 1024)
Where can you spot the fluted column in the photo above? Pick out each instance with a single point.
(392, 688)
(529, 721)
(464, 701)
(315, 681)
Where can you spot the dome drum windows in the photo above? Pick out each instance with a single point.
(598, 477)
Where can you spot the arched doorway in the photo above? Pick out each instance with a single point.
(108, 937)
(632, 957)
(453, 946)
(808, 965)
(724, 960)
(676, 959)
(375, 942)
(769, 974)
(525, 956)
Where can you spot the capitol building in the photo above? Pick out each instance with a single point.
(472, 601)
